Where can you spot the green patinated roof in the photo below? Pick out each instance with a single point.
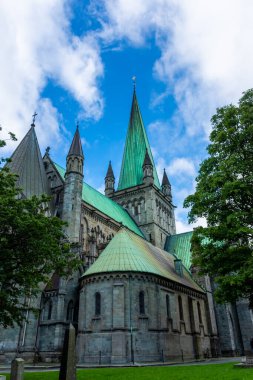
(105, 205)
(128, 252)
(131, 173)
(180, 245)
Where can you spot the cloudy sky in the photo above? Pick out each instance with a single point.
(72, 61)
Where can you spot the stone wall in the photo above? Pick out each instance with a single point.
(151, 210)
(123, 332)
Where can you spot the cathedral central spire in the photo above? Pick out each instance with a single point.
(136, 145)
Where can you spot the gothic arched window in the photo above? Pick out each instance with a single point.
(97, 303)
(180, 306)
(70, 311)
(47, 310)
(199, 312)
(142, 302)
(168, 311)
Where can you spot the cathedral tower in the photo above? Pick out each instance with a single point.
(139, 189)
(73, 186)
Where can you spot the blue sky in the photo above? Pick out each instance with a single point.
(73, 61)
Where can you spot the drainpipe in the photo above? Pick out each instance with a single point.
(130, 319)
(25, 323)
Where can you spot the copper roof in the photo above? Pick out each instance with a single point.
(136, 145)
(128, 252)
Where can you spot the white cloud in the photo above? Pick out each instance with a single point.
(181, 166)
(182, 226)
(38, 46)
(206, 49)
(178, 167)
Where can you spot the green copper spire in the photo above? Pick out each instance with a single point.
(131, 173)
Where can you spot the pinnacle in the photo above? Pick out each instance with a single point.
(147, 160)
(165, 181)
(110, 173)
(76, 145)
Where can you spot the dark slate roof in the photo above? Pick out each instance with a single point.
(53, 283)
(26, 162)
(165, 180)
(180, 245)
(131, 173)
(110, 173)
(128, 252)
(76, 145)
(147, 160)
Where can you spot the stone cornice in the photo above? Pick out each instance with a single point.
(166, 283)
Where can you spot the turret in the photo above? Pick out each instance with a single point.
(148, 172)
(73, 189)
(75, 155)
(109, 181)
(166, 186)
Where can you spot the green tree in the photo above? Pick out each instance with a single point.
(32, 247)
(224, 196)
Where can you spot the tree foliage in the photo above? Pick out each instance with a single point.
(224, 196)
(32, 247)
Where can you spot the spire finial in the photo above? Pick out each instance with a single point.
(134, 81)
(34, 117)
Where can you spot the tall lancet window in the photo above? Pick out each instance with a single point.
(97, 303)
(142, 302)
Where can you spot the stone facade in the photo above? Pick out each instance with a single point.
(125, 329)
(152, 211)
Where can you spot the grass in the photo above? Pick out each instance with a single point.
(193, 372)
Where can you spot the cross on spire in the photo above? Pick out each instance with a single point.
(34, 117)
(134, 81)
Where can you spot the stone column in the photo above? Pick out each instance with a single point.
(17, 369)
(68, 360)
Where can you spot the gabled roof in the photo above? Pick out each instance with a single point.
(26, 162)
(76, 145)
(107, 206)
(131, 173)
(128, 252)
(180, 245)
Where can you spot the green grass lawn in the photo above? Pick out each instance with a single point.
(196, 372)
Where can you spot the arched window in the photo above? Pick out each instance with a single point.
(70, 311)
(199, 312)
(180, 306)
(50, 308)
(47, 310)
(168, 306)
(97, 303)
(141, 302)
